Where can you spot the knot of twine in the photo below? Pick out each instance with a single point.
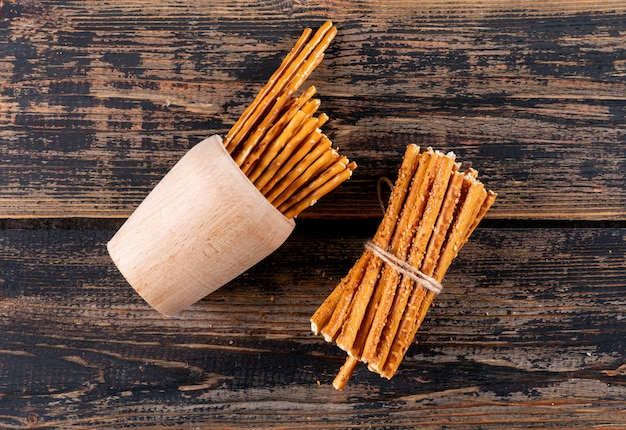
(405, 268)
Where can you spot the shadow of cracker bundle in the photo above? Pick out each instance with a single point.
(376, 310)
(278, 143)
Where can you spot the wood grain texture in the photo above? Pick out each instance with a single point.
(530, 338)
(98, 100)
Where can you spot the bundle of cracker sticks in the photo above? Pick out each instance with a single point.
(376, 310)
(278, 143)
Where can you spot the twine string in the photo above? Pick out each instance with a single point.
(405, 268)
(379, 190)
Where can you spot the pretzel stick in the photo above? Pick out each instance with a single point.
(276, 141)
(285, 153)
(277, 183)
(246, 121)
(321, 191)
(316, 161)
(491, 198)
(322, 163)
(386, 229)
(286, 133)
(338, 166)
(407, 223)
(321, 144)
(248, 155)
(294, 151)
(299, 152)
(414, 255)
(383, 297)
(247, 160)
(293, 78)
(406, 288)
(416, 309)
(270, 151)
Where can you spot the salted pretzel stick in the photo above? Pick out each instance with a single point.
(407, 286)
(294, 77)
(263, 160)
(339, 165)
(277, 195)
(408, 168)
(413, 255)
(429, 195)
(416, 311)
(345, 372)
(260, 180)
(246, 121)
(400, 242)
(321, 191)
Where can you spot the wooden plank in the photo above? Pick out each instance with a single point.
(529, 330)
(98, 100)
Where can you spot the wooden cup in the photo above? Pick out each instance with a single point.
(202, 225)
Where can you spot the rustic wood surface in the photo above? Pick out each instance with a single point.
(99, 99)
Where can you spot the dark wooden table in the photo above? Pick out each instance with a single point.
(99, 99)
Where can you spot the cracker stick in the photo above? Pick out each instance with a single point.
(249, 154)
(285, 153)
(413, 208)
(414, 255)
(384, 233)
(293, 78)
(406, 287)
(246, 121)
(416, 309)
(321, 191)
(327, 158)
(441, 209)
(316, 47)
(323, 314)
(412, 161)
(404, 231)
(265, 157)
